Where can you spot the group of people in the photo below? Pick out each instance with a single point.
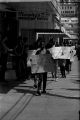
(21, 55)
(23, 71)
(64, 64)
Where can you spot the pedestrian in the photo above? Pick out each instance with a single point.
(42, 76)
(19, 59)
(3, 58)
(24, 54)
(62, 63)
(36, 47)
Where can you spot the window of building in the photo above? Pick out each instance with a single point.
(72, 11)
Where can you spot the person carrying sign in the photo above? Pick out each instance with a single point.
(42, 76)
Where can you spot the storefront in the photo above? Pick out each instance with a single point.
(29, 16)
(27, 19)
(8, 28)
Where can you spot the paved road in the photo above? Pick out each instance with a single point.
(61, 101)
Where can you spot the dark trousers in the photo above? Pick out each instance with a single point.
(67, 65)
(62, 69)
(70, 66)
(42, 77)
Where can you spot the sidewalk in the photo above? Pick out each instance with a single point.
(64, 87)
(69, 86)
(61, 96)
(21, 103)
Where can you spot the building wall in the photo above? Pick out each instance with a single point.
(34, 15)
(36, 23)
(26, 26)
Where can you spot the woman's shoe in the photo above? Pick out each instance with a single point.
(38, 93)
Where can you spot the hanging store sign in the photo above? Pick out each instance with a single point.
(33, 16)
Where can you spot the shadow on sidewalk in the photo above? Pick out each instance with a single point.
(62, 96)
(76, 81)
(31, 90)
(6, 86)
(72, 89)
(25, 91)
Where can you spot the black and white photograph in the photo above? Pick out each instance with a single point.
(39, 59)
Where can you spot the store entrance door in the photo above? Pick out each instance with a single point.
(12, 29)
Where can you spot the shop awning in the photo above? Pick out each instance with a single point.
(31, 5)
(55, 32)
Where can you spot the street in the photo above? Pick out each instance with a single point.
(61, 102)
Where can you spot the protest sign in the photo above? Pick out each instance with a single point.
(61, 52)
(65, 53)
(42, 63)
(56, 52)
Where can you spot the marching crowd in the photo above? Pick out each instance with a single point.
(22, 70)
(64, 64)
